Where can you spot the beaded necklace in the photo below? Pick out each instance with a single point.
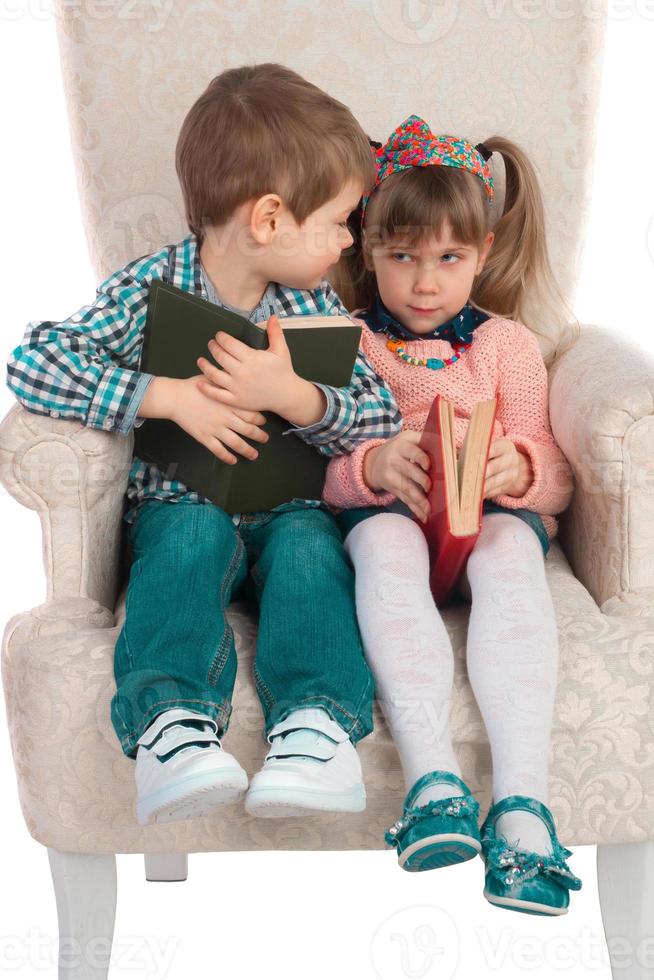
(458, 332)
(396, 345)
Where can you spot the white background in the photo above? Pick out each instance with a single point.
(292, 914)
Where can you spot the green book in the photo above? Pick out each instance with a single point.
(177, 330)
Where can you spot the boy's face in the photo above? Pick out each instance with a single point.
(300, 255)
(426, 285)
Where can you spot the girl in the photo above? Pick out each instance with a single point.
(443, 313)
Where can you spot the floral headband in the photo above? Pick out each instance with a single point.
(413, 144)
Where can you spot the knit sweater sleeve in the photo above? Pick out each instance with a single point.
(523, 410)
(344, 483)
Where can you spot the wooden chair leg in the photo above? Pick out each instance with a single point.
(166, 867)
(625, 877)
(85, 892)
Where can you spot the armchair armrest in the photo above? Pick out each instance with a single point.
(601, 413)
(74, 476)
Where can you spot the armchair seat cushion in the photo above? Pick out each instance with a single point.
(77, 788)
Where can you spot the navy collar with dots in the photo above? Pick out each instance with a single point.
(460, 327)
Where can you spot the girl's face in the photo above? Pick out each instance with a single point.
(426, 285)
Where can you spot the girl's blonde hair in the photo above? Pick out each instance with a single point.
(516, 282)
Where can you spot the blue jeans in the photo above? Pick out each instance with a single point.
(176, 647)
(347, 519)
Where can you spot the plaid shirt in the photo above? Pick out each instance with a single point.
(87, 367)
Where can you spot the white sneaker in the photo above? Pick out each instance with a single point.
(196, 779)
(312, 767)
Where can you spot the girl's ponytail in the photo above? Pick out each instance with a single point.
(517, 279)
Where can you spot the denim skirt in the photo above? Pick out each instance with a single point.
(347, 519)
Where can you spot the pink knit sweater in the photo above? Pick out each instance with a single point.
(505, 363)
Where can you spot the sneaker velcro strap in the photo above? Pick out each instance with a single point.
(177, 735)
(172, 717)
(309, 718)
(303, 741)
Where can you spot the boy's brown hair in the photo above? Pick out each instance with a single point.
(264, 129)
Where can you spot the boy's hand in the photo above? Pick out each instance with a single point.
(215, 426)
(252, 379)
(400, 467)
(508, 470)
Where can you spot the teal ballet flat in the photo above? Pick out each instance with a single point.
(439, 833)
(524, 880)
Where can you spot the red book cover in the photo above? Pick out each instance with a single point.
(448, 552)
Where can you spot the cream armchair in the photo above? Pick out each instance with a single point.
(76, 787)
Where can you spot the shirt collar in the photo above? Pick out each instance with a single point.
(265, 308)
(460, 327)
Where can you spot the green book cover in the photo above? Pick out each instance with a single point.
(177, 331)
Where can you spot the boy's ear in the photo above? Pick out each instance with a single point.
(265, 217)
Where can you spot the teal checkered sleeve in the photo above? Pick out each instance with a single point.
(85, 367)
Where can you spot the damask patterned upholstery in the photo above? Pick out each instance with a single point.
(476, 70)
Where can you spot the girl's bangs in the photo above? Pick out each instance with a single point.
(428, 203)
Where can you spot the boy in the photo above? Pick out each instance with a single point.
(270, 167)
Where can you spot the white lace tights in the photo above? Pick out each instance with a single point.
(512, 655)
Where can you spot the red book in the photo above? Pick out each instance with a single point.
(456, 496)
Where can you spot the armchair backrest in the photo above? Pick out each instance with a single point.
(526, 69)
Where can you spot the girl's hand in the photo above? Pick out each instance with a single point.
(400, 467)
(255, 380)
(508, 470)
